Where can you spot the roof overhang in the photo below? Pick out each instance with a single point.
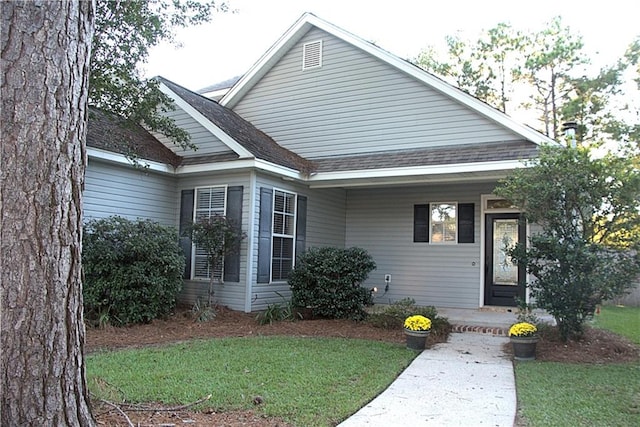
(235, 165)
(462, 172)
(206, 123)
(121, 159)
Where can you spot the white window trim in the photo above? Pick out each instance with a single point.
(313, 44)
(443, 242)
(193, 219)
(273, 234)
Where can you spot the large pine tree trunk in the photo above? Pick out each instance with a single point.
(45, 60)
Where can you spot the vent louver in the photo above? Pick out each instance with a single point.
(312, 55)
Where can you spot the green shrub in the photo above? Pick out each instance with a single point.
(132, 271)
(393, 316)
(328, 280)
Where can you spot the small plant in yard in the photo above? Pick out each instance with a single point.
(218, 236)
(202, 312)
(277, 312)
(417, 323)
(394, 315)
(523, 329)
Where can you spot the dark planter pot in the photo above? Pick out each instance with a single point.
(416, 340)
(524, 348)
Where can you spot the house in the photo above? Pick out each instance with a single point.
(329, 140)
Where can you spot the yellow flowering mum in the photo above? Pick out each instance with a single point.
(417, 323)
(522, 329)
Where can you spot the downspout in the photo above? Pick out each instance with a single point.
(250, 242)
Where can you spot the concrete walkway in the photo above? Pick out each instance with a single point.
(467, 381)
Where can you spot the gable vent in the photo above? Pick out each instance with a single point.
(312, 55)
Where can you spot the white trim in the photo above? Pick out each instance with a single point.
(273, 234)
(304, 24)
(251, 238)
(262, 165)
(118, 158)
(309, 53)
(416, 170)
(483, 213)
(201, 119)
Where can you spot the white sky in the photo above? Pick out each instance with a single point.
(232, 43)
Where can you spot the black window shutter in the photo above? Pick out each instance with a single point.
(264, 235)
(186, 219)
(420, 223)
(301, 225)
(466, 223)
(234, 213)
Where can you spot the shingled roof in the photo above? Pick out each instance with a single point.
(251, 138)
(471, 153)
(109, 132)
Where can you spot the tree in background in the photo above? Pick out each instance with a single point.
(485, 70)
(547, 68)
(125, 32)
(584, 253)
(45, 62)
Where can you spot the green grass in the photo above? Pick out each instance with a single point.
(306, 381)
(623, 321)
(560, 394)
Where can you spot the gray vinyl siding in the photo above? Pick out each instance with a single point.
(230, 294)
(132, 193)
(443, 275)
(356, 104)
(326, 214)
(206, 142)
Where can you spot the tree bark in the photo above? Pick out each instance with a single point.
(45, 66)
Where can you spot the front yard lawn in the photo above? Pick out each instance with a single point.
(305, 381)
(581, 394)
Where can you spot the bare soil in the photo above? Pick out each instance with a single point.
(598, 346)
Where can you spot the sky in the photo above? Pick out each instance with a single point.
(233, 42)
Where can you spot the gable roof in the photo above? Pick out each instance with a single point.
(241, 136)
(307, 21)
(109, 132)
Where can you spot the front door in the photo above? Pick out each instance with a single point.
(504, 280)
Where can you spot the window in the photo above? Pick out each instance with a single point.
(437, 222)
(283, 234)
(312, 55)
(209, 201)
(443, 223)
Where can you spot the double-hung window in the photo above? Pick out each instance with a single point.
(283, 234)
(209, 201)
(444, 224)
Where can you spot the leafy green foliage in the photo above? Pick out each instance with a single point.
(218, 236)
(277, 312)
(124, 33)
(328, 280)
(393, 317)
(582, 255)
(132, 270)
(546, 69)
